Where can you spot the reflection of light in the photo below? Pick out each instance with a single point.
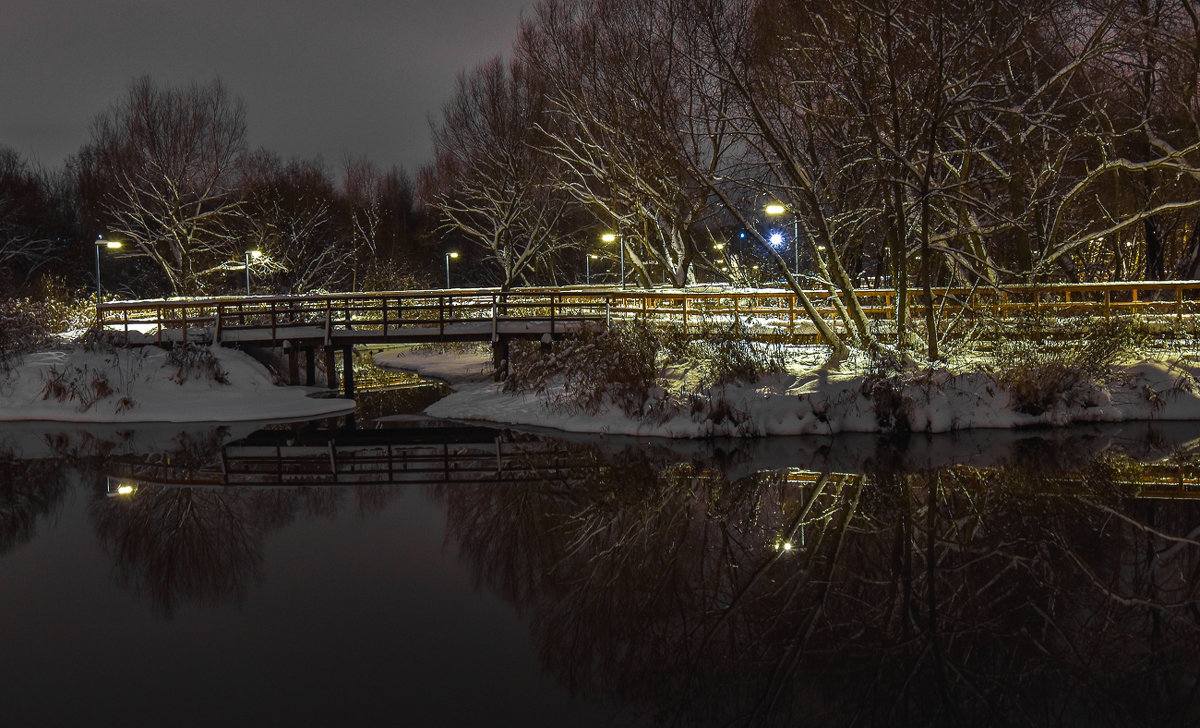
(119, 488)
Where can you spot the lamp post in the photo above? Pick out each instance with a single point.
(776, 208)
(613, 237)
(102, 243)
(255, 254)
(587, 265)
(448, 257)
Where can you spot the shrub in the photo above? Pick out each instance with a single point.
(623, 364)
(195, 361)
(617, 365)
(21, 331)
(1044, 361)
(76, 384)
(727, 356)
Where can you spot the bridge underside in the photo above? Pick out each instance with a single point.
(310, 342)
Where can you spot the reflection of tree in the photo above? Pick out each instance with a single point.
(29, 490)
(204, 545)
(956, 596)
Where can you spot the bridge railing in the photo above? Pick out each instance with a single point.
(364, 315)
(443, 313)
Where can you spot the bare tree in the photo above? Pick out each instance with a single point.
(27, 218)
(290, 213)
(161, 164)
(626, 124)
(488, 182)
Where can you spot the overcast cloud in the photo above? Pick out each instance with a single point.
(319, 77)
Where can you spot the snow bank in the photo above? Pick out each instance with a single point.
(820, 402)
(140, 385)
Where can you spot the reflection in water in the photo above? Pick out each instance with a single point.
(30, 490)
(959, 595)
(204, 545)
(1020, 579)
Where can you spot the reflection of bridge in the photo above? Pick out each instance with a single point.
(465, 455)
(482, 455)
(306, 323)
(1153, 480)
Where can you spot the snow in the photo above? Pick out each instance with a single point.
(809, 400)
(144, 389)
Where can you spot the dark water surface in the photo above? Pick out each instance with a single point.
(461, 576)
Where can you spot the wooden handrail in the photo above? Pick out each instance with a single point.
(436, 309)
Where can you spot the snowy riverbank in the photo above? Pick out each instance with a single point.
(216, 384)
(806, 399)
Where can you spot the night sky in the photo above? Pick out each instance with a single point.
(326, 78)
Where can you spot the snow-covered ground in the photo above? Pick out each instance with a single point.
(807, 399)
(141, 385)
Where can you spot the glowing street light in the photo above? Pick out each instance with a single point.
(102, 243)
(255, 254)
(448, 257)
(612, 238)
(776, 208)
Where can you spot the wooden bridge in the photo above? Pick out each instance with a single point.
(339, 321)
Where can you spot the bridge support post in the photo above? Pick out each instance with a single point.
(348, 369)
(331, 377)
(499, 359)
(293, 362)
(310, 366)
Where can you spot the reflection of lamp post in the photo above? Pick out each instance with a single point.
(102, 243)
(587, 265)
(255, 254)
(448, 257)
(777, 209)
(613, 237)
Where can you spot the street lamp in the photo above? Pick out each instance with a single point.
(448, 257)
(255, 254)
(776, 208)
(102, 243)
(613, 237)
(587, 265)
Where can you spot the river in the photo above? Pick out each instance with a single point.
(414, 573)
